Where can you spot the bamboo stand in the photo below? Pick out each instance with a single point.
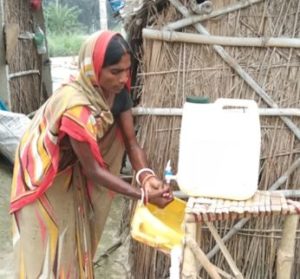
(285, 255)
(189, 269)
(262, 203)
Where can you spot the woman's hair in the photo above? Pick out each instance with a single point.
(116, 48)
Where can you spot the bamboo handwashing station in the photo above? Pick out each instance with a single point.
(218, 171)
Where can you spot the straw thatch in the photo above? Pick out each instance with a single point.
(168, 72)
(29, 73)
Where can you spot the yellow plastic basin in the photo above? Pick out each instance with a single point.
(159, 228)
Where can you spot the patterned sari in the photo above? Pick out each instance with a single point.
(59, 215)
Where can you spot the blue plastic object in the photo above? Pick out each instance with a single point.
(116, 5)
(3, 106)
(168, 174)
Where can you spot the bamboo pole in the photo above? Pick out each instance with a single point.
(189, 266)
(243, 74)
(286, 251)
(24, 73)
(202, 259)
(203, 69)
(103, 15)
(229, 259)
(194, 19)
(292, 193)
(137, 111)
(5, 89)
(178, 37)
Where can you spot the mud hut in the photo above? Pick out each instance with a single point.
(248, 50)
(28, 72)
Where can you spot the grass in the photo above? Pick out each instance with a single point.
(64, 44)
(60, 44)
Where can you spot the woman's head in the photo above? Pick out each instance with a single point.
(116, 48)
(115, 72)
(101, 52)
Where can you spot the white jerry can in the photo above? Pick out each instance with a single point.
(219, 149)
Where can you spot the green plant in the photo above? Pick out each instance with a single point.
(62, 19)
(64, 44)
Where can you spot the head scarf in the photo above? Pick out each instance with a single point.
(91, 58)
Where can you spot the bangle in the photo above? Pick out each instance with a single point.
(146, 197)
(137, 176)
(147, 177)
(142, 195)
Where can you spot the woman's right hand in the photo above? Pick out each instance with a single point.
(160, 197)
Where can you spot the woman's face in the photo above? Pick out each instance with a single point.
(113, 78)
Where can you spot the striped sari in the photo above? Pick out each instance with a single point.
(58, 214)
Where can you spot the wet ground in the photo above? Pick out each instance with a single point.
(62, 68)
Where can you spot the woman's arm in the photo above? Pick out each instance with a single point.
(99, 175)
(137, 155)
(103, 177)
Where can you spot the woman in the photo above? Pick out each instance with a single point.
(67, 164)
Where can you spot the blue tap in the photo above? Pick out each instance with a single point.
(168, 174)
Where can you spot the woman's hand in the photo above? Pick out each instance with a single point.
(160, 198)
(158, 192)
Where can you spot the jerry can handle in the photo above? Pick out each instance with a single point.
(236, 103)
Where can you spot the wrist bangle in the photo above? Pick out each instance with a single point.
(142, 195)
(146, 198)
(137, 176)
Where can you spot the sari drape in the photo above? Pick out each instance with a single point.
(58, 215)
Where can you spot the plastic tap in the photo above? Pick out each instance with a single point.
(168, 174)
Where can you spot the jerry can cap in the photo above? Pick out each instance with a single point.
(197, 99)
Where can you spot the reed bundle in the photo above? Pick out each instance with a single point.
(170, 71)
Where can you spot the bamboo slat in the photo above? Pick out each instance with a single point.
(198, 18)
(138, 111)
(236, 272)
(183, 37)
(262, 203)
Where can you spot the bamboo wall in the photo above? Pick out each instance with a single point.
(171, 71)
(27, 92)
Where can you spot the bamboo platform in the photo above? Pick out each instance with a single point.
(206, 210)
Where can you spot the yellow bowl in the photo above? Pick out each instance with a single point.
(159, 228)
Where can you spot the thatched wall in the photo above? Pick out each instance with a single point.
(27, 91)
(171, 71)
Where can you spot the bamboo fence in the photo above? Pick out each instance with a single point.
(167, 72)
